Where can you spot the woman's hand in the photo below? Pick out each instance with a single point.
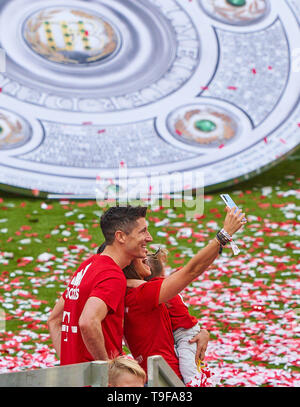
(202, 339)
(233, 221)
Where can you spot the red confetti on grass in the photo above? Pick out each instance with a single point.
(85, 204)
(264, 205)
(25, 227)
(23, 262)
(45, 206)
(244, 301)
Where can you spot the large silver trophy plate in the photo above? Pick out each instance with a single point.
(96, 93)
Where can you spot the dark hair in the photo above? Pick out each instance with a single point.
(130, 272)
(101, 248)
(120, 218)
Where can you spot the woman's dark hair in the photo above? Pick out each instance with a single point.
(120, 218)
(101, 248)
(130, 272)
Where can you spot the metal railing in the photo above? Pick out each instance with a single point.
(160, 374)
(93, 374)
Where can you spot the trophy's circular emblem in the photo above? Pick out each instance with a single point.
(14, 131)
(236, 12)
(69, 36)
(203, 125)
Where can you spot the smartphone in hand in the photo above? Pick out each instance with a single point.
(230, 202)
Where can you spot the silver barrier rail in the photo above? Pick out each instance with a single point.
(76, 375)
(160, 373)
(93, 374)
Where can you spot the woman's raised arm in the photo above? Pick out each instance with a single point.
(176, 282)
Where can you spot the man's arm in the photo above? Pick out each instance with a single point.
(54, 324)
(176, 282)
(94, 312)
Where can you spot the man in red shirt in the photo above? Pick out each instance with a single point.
(87, 321)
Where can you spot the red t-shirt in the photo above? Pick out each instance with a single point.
(179, 314)
(147, 325)
(101, 277)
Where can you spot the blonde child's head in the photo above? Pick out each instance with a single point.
(157, 262)
(125, 372)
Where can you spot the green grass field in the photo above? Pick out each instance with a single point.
(248, 302)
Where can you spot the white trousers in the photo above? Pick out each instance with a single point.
(186, 352)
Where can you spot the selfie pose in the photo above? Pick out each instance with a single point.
(147, 325)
